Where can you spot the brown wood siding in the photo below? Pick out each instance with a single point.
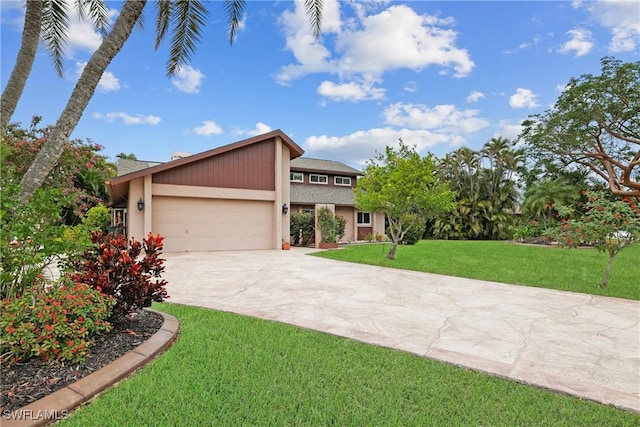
(251, 167)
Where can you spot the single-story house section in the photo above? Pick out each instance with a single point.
(229, 198)
(316, 183)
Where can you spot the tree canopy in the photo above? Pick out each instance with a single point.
(400, 183)
(595, 123)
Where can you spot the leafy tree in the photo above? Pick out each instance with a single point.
(609, 225)
(183, 19)
(79, 172)
(398, 183)
(125, 156)
(595, 124)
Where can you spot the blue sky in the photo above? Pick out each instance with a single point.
(439, 75)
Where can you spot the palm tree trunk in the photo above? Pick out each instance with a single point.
(21, 70)
(80, 97)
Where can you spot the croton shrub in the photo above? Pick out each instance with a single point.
(119, 270)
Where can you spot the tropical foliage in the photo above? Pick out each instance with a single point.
(541, 199)
(485, 183)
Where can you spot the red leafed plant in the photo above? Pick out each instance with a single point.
(117, 270)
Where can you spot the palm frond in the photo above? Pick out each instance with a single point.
(188, 18)
(162, 22)
(313, 8)
(234, 10)
(98, 14)
(55, 29)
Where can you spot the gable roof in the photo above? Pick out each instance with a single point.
(118, 186)
(306, 164)
(126, 166)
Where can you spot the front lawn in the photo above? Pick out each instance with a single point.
(576, 270)
(227, 369)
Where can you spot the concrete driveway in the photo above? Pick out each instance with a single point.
(584, 345)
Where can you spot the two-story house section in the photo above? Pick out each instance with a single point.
(315, 182)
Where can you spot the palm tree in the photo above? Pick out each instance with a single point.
(541, 198)
(47, 19)
(187, 19)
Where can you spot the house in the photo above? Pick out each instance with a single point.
(227, 198)
(316, 183)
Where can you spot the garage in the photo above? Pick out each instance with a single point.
(193, 224)
(233, 197)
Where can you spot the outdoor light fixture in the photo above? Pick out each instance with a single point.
(140, 204)
(285, 208)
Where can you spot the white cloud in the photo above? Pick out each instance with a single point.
(442, 118)
(350, 91)
(523, 98)
(474, 96)
(128, 119)
(358, 147)
(82, 38)
(188, 79)
(260, 129)
(368, 45)
(108, 82)
(209, 127)
(580, 43)
(622, 18)
(411, 86)
(508, 129)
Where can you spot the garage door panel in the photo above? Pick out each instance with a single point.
(190, 224)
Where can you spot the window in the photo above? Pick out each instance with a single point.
(342, 180)
(308, 211)
(364, 218)
(318, 179)
(296, 177)
(118, 217)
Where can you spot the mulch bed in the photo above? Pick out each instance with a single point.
(27, 382)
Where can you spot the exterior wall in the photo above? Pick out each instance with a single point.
(378, 223)
(350, 230)
(283, 178)
(250, 167)
(135, 218)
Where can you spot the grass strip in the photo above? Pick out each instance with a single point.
(227, 369)
(575, 270)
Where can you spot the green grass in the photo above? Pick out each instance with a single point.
(227, 369)
(575, 270)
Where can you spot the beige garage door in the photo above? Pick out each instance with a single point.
(191, 224)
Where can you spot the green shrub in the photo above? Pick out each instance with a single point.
(97, 218)
(329, 225)
(55, 324)
(303, 228)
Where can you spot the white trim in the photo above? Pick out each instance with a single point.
(291, 177)
(335, 180)
(363, 223)
(326, 179)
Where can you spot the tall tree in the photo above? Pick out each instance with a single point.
(594, 123)
(400, 184)
(183, 19)
(47, 20)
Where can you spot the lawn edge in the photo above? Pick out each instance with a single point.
(59, 404)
